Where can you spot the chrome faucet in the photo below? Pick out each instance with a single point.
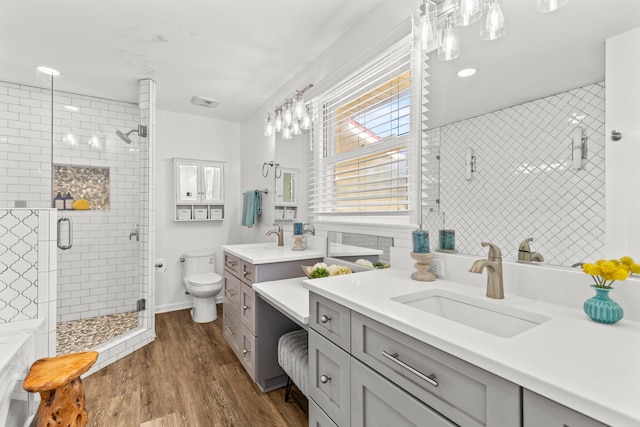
(495, 288)
(308, 229)
(525, 254)
(278, 232)
(135, 232)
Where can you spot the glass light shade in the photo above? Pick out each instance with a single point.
(286, 133)
(428, 26)
(550, 5)
(467, 12)
(277, 123)
(492, 27)
(449, 46)
(295, 127)
(287, 115)
(298, 107)
(305, 123)
(268, 125)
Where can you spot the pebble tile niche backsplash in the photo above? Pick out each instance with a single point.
(87, 183)
(524, 185)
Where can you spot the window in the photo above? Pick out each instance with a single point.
(363, 141)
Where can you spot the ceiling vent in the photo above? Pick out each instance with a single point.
(204, 102)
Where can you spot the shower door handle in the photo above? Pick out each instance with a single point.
(69, 234)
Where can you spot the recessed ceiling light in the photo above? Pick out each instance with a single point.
(466, 72)
(48, 70)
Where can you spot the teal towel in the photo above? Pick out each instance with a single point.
(251, 207)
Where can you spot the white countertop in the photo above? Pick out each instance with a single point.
(266, 253)
(290, 296)
(589, 367)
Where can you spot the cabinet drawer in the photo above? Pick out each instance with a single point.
(317, 417)
(331, 320)
(247, 307)
(232, 288)
(231, 329)
(539, 411)
(462, 392)
(329, 377)
(246, 351)
(377, 402)
(232, 264)
(248, 273)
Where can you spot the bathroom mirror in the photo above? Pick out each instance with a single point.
(524, 183)
(286, 194)
(286, 187)
(352, 247)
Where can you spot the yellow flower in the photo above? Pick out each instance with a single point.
(605, 272)
(627, 260)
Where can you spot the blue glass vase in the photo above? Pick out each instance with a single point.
(601, 308)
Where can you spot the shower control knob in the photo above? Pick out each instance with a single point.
(615, 135)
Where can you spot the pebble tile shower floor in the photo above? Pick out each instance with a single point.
(85, 334)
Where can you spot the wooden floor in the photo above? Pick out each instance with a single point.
(188, 377)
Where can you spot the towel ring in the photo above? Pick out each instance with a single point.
(276, 173)
(265, 173)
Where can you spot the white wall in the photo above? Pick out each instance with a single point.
(192, 137)
(385, 24)
(623, 115)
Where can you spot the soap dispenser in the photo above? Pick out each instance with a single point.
(68, 201)
(58, 201)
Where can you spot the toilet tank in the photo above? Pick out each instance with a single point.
(198, 262)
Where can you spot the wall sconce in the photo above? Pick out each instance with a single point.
(578, 148)
(470, 164)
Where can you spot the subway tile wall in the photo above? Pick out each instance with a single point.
(524, 185)
(99, 275)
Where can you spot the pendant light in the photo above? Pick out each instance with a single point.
(305, 123)
(286, 133)
(298, 106)
(492, 27)
(449, 46)
(428, 25)
(287, 115)
(550, 5)
(277, 125)
(467, 12)
(268, 125)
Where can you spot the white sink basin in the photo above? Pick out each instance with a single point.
(487, 316)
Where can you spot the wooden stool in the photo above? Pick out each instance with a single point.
(57, 379)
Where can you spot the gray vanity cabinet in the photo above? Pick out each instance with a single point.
(317, 417)
(376, 401)
(393, 379)
(252, 326)
(539, 411)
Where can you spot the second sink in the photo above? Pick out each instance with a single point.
(487, 316)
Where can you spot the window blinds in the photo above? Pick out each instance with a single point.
(363, 140)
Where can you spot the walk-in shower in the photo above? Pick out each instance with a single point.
(142, 131)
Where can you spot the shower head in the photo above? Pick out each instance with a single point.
(142, 131)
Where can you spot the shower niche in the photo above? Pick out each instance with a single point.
(199, 188)
(82, 183)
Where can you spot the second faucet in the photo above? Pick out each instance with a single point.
(278, 231)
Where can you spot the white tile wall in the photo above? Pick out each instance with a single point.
(99, 275)
(524, 185)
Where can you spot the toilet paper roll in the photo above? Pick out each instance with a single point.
(161, 265)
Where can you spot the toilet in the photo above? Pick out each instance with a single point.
(201, 280)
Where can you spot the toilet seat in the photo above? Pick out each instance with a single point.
(203, 279)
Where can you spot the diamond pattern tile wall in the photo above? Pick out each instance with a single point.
(524, 185)
(18, 265)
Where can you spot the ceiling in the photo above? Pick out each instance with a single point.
(237, 52)
(241, 52)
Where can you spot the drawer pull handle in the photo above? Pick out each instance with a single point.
(230, 264)
(325, 318)
(431, 379)
(245, 307)
(325, 379)
(245, 351)
(229, 330)
(229, 293)
(245, 273)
